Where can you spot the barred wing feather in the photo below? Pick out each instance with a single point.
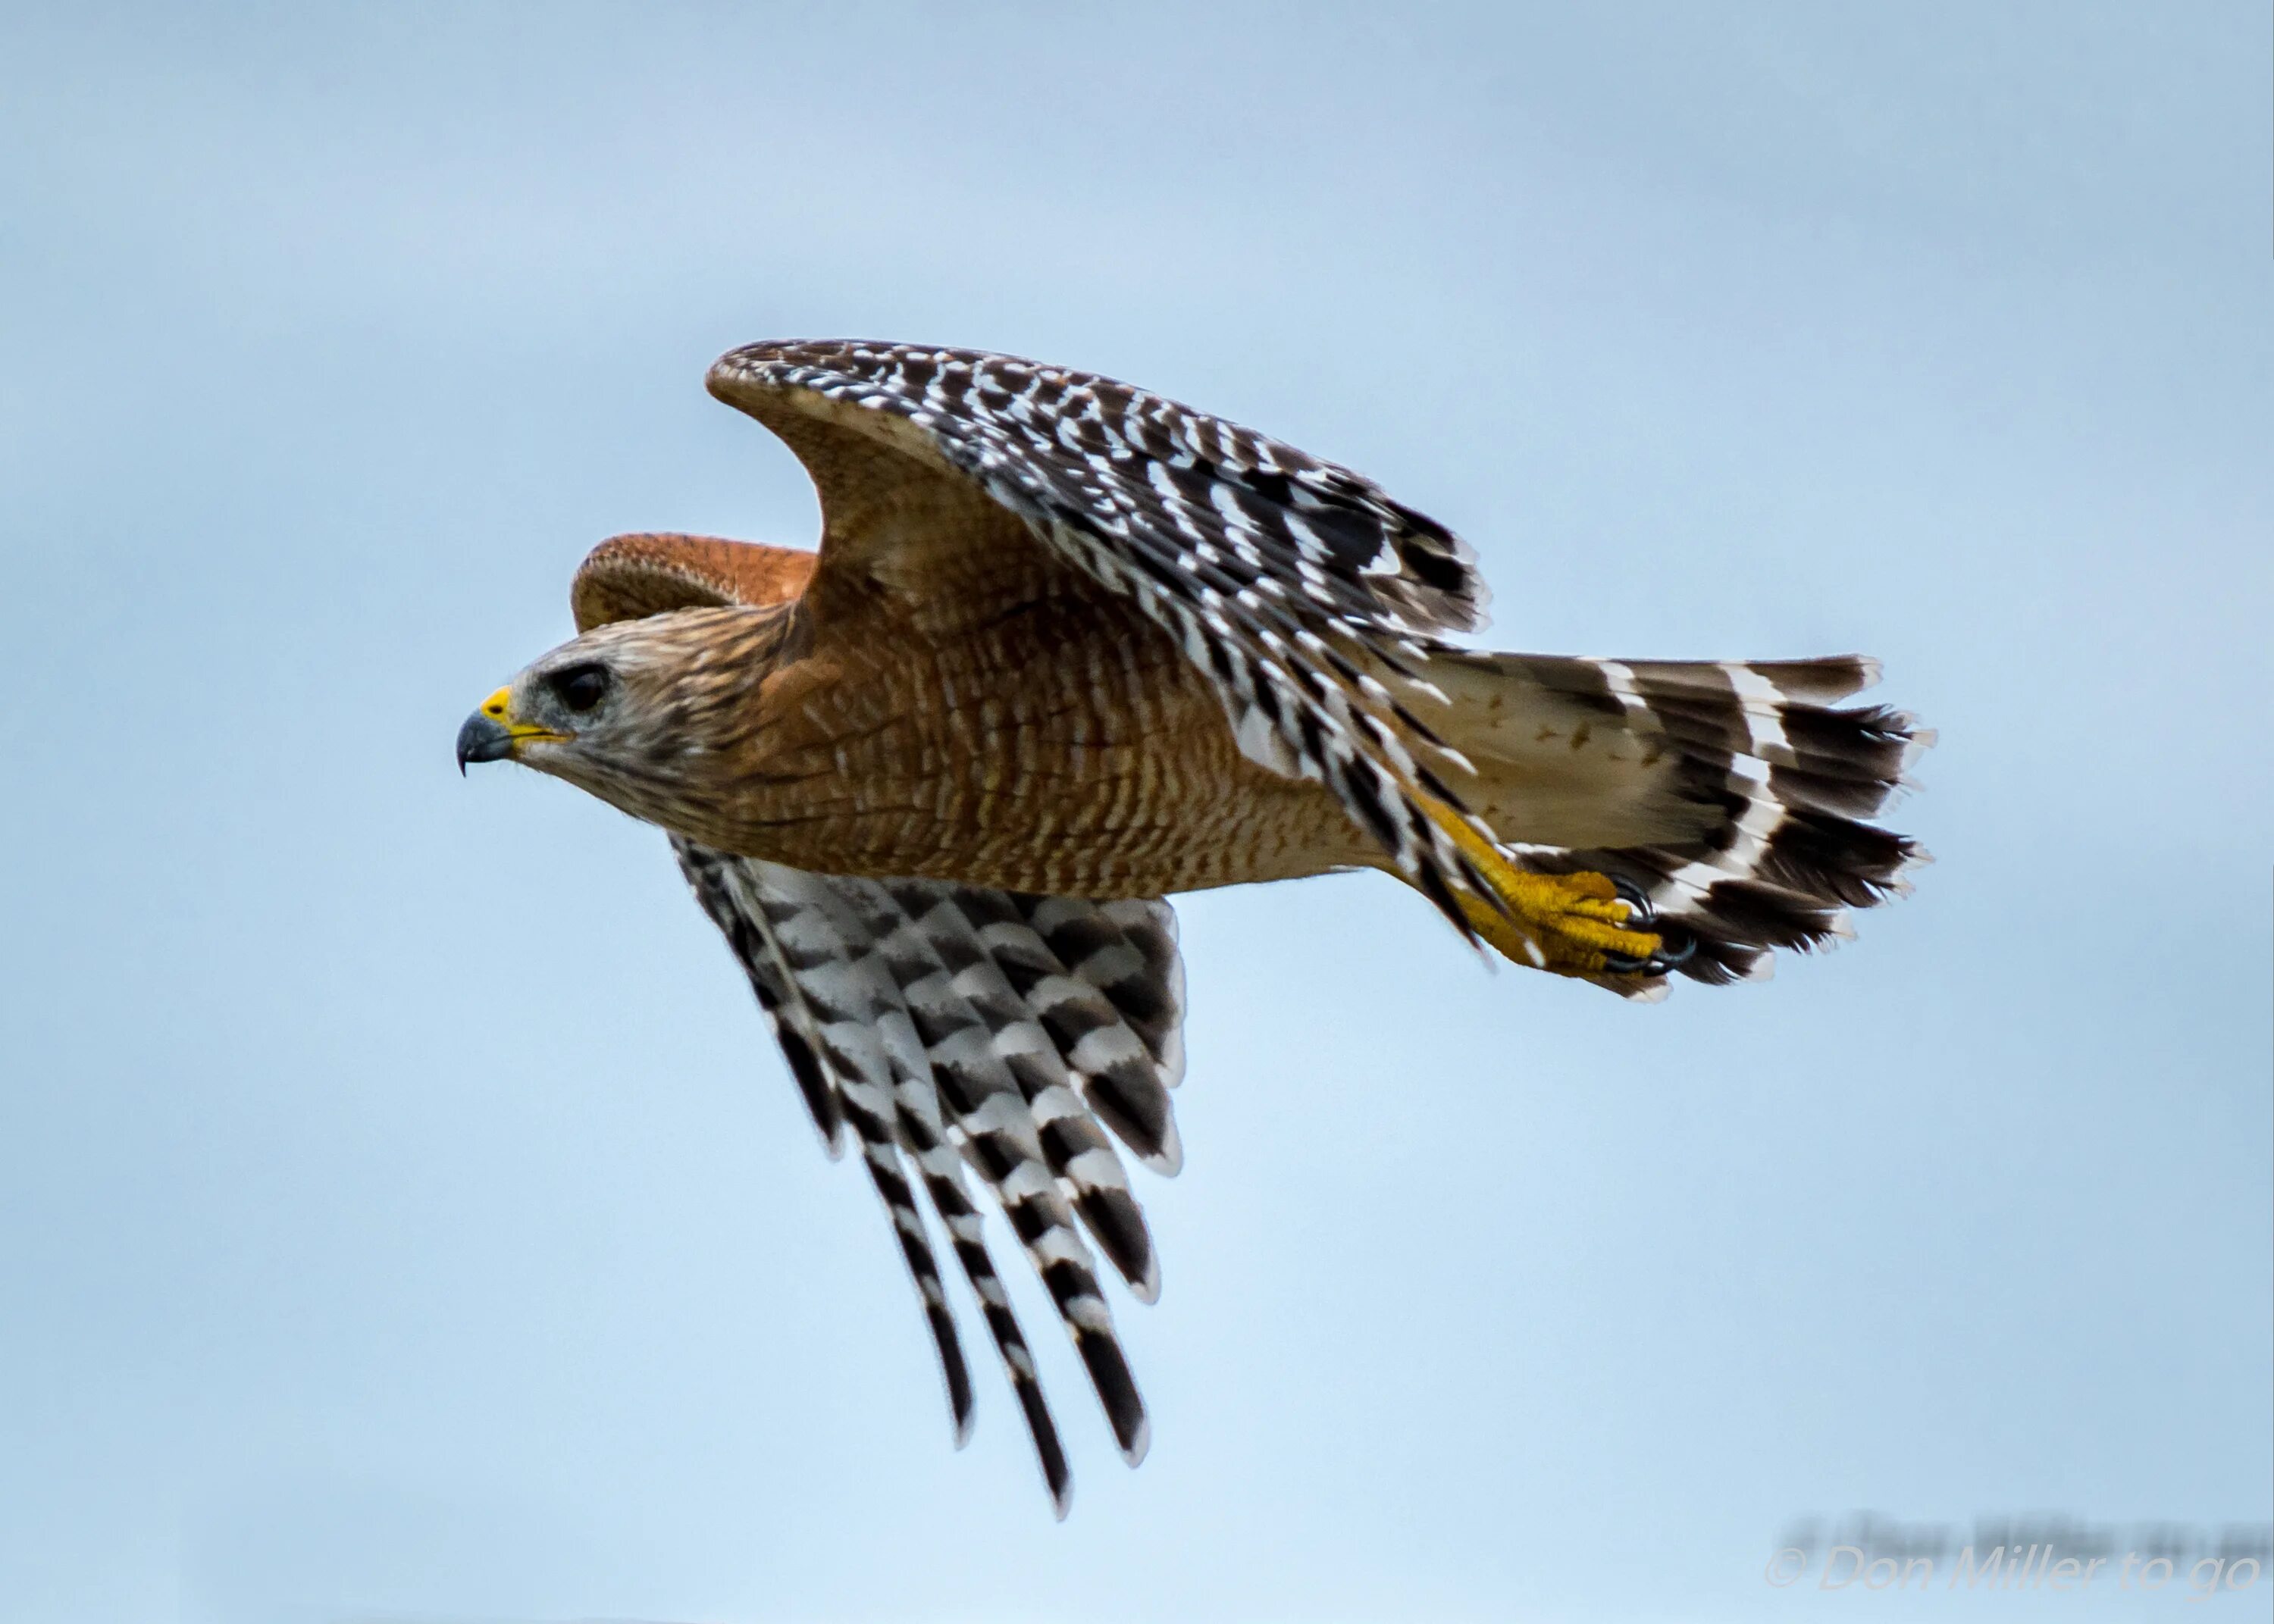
(952, 1028)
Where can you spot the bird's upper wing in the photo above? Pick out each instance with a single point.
(950, 1027)
(951, 481)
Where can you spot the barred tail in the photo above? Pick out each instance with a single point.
(1733, 797)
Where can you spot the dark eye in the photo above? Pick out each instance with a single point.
(579, 687)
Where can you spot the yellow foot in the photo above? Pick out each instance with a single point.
(1573, 924)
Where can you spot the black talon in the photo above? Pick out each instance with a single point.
(1676, 948)
(1636, 897)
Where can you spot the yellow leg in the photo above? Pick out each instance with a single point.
(1572, 924)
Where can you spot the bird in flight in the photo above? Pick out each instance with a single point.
(1068, 647)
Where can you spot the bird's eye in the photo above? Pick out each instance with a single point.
(579, 687)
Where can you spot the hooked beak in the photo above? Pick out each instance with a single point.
(491, 733)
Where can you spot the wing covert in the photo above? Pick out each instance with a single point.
(630, 578)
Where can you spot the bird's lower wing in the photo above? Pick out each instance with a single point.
(952, 1027)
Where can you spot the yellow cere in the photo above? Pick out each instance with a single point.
(498, 704)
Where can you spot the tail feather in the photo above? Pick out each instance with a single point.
(1735, 797)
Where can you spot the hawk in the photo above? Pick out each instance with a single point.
(1068, 647)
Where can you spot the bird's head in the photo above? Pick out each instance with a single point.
(640, 713)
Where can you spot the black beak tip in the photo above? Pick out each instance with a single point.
(482, 740)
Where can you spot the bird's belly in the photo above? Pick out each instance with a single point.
(1042, 754)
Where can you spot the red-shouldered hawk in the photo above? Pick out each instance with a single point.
(1068, 647)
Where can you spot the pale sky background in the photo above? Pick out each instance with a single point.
(404, 1213)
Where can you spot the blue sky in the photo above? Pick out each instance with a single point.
(403, 1212)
